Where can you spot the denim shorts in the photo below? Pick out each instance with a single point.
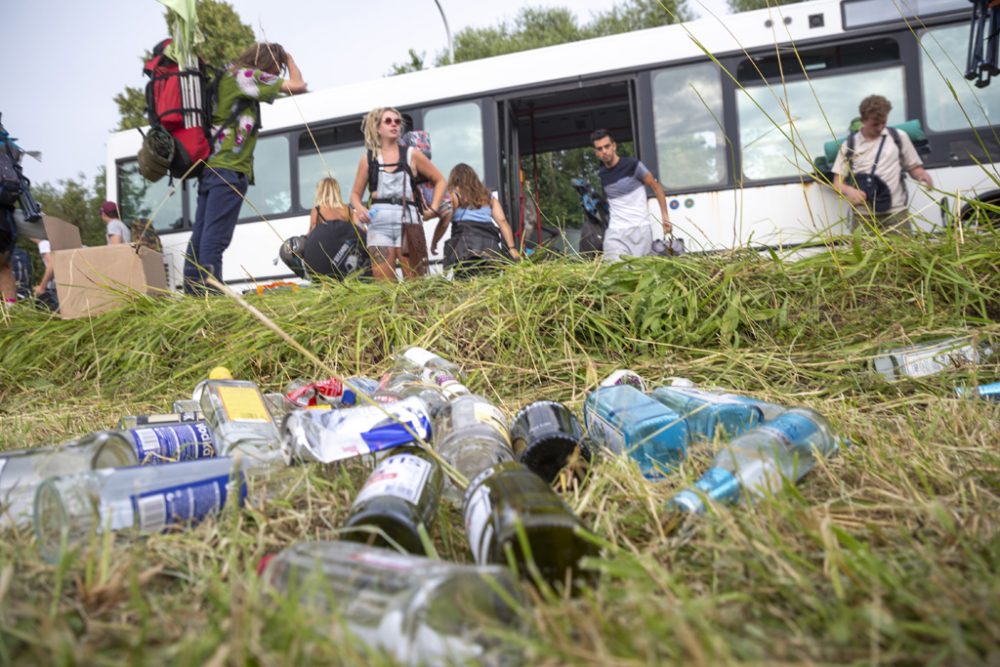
(385, 229)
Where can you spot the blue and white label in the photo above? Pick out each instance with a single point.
(349, 432)
(791, 428)
(185, 503)
(169, 443)
(403, 476)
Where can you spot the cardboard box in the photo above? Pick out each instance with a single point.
(93, 280)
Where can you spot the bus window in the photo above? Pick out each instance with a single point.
(139, 198)
(341, 163)
(687, 113)
(271, 194)
(780, 143)
(456, 136)
(942, 54)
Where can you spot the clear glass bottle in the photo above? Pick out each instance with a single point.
(22, 471)
(146, 499)
(399, 496)
(931, 357)
(545, 436)
(471, 434)
(507, 495)
(239, 417)
(404, 384)
(756, 462)
(170, 443)
(432, 368)
(709, 414)
(623, 420)
(418, 610)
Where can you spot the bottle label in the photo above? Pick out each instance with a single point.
(478, 526)
(603, 433)
(403, 476)
(791, 429)
(176, 442)
(184, 503)
(243, 404)
(385, 559)
(490, 415)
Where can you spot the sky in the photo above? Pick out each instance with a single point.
(69, 59)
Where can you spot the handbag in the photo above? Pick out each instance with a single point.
(877, 194)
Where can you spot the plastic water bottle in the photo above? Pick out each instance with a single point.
(709, 414)
(141, 499)
(623, 420)
(239, 417)
(545, 437)
(419, 611)
(333, 435)
(756, 462)
(507, 497)
(400, 495)
(22, 471)
(471, 434)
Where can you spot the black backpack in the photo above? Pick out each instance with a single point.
(876, 191)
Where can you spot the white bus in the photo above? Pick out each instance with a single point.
(731, 137)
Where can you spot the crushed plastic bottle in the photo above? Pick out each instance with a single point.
(419, 611)
(623, 420)
(507, 498)
(756, 462)
(400, 495)
(22, 471)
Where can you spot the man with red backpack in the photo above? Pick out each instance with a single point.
(252, 78)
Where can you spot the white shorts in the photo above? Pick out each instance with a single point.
(633, 241)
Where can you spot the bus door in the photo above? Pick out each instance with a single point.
(545, 138)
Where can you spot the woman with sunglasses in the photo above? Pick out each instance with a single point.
(387, 170)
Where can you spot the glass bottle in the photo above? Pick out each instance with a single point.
(239, 417)
(756, 462)
(132, 421)
(545, 436)
(22, 471)
(471, 434)
(400, 495)
(420, 611)
(708, 414)
(623, 420)
(508, 495)
(145, 499)
(432, 368)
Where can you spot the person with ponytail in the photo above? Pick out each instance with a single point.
(387, 170)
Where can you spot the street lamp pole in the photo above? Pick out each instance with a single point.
(447, 30)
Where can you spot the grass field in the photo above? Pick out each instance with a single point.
(886, 554)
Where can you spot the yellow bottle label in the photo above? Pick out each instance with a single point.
(243, 404)
(491, 416)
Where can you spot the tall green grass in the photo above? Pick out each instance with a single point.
(887, 554)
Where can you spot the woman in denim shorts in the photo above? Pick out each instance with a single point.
(393, 200)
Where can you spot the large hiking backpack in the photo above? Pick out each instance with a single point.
(144, 235)
(10, 178)
(180, 104)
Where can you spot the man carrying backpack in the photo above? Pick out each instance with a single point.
(870, 166)
(252, 78)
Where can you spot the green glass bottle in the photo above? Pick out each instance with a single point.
(509, 493)
(400, 495)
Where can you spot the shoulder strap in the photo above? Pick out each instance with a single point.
(373, 169)
(894, 133)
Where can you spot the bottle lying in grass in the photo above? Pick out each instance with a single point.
(334, 435)
(22, 471)
(623, 420)
(509, 508)
(709, 414)
(545, 437)
(238, 416)
(397, 385)
(69, 509)
(990, 392)
(432, 368)
(757, 462)
(419, 611)
(471, 434)
(132, 421)
(399, 496)
(930, 358)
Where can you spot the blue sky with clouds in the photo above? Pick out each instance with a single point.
(69, 59)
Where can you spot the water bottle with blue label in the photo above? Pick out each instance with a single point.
(68, 509)
(989, 392)
(418, 610)
(623, 420)
(709, 414)
(755, 463)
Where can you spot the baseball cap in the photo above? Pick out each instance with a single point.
(110, 209)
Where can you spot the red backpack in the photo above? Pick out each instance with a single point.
(180, 104)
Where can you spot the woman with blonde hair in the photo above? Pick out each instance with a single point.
(478, 223)
(387, 170)
(328, 205)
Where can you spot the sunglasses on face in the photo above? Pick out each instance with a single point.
(392, 121)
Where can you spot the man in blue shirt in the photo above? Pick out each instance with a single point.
(625, 180)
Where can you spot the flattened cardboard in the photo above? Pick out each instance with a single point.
(93, 280)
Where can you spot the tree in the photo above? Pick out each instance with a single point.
(748, 5)
(225, 38)
(415, 64)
